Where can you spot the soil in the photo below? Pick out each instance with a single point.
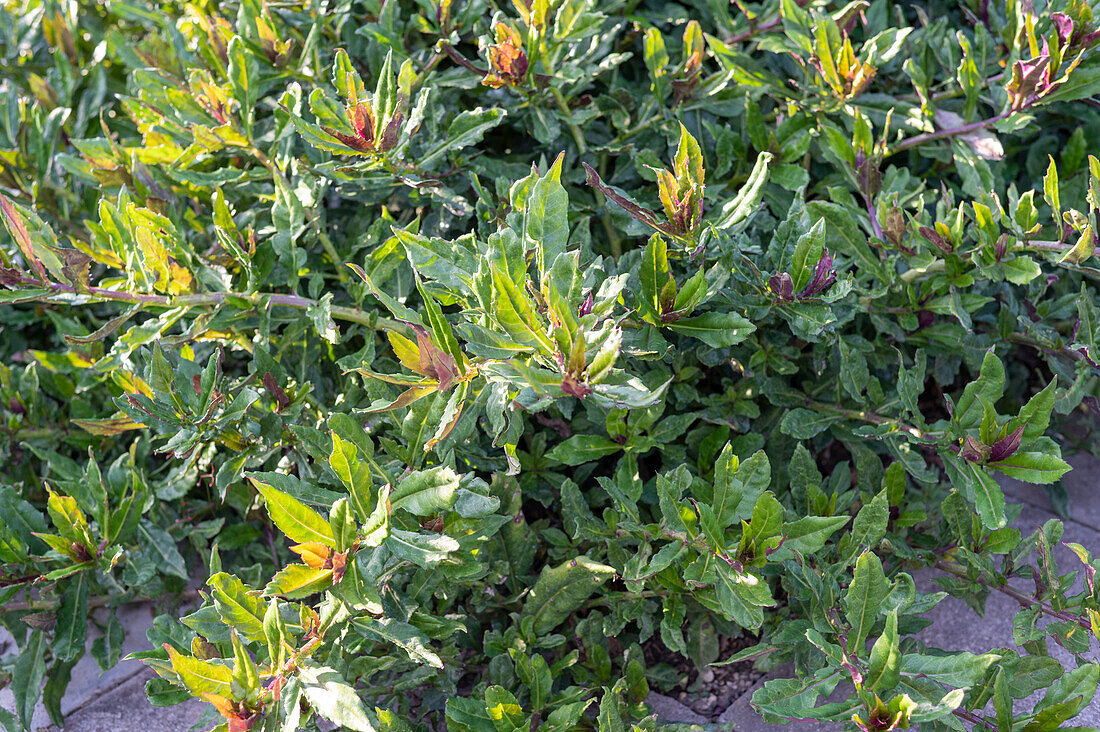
(709, 691)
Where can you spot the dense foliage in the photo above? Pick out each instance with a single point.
(459, 351)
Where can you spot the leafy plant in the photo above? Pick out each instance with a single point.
(467, 357)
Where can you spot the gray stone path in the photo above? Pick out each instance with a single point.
(106, 701)
(115, 700)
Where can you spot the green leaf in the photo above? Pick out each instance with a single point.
(72, 620)
(246, 674)
(426, 492)
(561, 590)
(794, 697)
(307, 493)
(1031, 673)
(755, 475)
(423, 550)
(505, 711)
(767, 519)
(652, 277)
(960, 670)
(403, 635)
(863, 600)
(27, 675)
(989, 386)
(333, 698)
(57, 682)
(727, 487)
(609, 718)
(717, 330)
(803, 424)
(1020, 270)
(1079, 685)
(1033, 467)
(299, 522)
(582, 449)
(740, 207)
(1035, 415)
(566, 716)
(807, 535)
(106, 648)
(534, 672)
(240, 607)
(742, 595)
(296, 581)
(159, 544)
(356, 477)
(854, 374)
(885, 665)
(36, 241)
(989, 500)
(467, 128)
(1050, 191)
(546, 216)
(468, 715)
(807, 251)
(869, 526)
(242, 72)
(343, 526)
(200, 676)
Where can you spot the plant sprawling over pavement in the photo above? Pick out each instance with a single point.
(452, 357)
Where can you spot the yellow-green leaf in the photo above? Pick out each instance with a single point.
(295, 519)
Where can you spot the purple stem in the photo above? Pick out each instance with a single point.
(948, 132)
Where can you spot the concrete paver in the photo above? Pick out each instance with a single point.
(126, 707)
(91, 686)
(671, 711)
(1082, 484)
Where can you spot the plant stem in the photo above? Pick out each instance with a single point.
(1024, 600)
(1063, 351)
(1054, 246)
(351, 315)
(948, 93)
(312, 216)
(765, 26)
(326, 244)
(1034, 246)
(973, 718)
(945, 133)
(461, 60)
(875, 227)
(611, 598)
(612, 235)
(578, 136)
(935, 267)
(93, 602)
(872, 418)
(31, 434)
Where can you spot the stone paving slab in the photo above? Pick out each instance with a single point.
(1082, 484)
(125, 707)
(672, 711)
(91, 686)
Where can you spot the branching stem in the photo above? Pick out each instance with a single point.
(206, 299)
(873, 418)
(1020, 597)
(945, 133)
(765, 26)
